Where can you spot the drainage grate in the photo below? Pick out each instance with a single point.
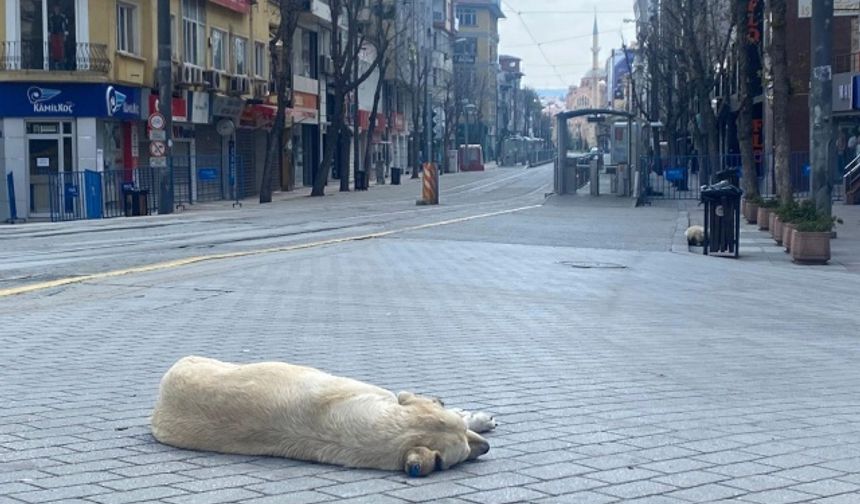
(592, 265)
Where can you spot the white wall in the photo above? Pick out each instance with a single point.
(14, 161)
(87, 133)
(4, 197)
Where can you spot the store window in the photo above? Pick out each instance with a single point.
(259, 60)
(240, 56)
(193, 31)
(219, 49)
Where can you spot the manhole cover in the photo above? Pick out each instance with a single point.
(592, 265)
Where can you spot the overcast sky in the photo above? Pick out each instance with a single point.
(549, 21)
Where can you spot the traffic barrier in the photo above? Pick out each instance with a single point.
(430, 185)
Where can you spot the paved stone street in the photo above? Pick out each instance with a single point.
(620, 368)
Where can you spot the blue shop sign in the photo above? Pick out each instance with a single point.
(69, 100)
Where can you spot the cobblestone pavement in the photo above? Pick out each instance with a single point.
(619, 371)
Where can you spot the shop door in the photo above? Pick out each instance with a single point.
(50, 159)
(44, 160)
(181, 157)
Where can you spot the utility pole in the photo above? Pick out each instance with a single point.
(165, 100)
(821, 104)
(356, 149)
(428, 113)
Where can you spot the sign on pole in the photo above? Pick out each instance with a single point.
(840, 8)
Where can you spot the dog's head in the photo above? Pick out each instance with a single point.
(437, 438)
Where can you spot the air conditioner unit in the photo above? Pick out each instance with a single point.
(239, 85)
(223, 81)
(186, 75)
(212, 79)
(197, 75)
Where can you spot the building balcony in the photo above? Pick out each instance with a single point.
(41, 55)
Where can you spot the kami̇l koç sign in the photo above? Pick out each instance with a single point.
(21, 99)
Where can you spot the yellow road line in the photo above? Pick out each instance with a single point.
(176, 263)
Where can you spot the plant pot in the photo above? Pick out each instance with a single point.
(770, 225)
(776, 229)
(752, 213)
(810, 247)
(763, 218)
(787, 229)
(744, 207)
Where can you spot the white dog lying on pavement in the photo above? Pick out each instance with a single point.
(279, 409)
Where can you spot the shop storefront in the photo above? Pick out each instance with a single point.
(54, 133)
(307, 148)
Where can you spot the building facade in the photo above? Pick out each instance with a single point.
(80, 77)
(477, 55)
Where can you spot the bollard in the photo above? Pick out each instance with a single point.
(8, 200)
(429, 186)
(595, 178)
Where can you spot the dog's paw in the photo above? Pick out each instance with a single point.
(477, 421)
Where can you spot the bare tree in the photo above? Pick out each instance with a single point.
(281, 49)
(745, 43)
(348, 37)
(419, 77)
(778, 63)
(687, 48)
(385, 39)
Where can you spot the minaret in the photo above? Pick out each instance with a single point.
(595, 48)
(595, 68)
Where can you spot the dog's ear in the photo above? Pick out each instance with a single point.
(421, 461)
(477, 445)
(404, 398)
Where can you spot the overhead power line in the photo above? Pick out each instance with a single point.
(531, 35)
(556, 41)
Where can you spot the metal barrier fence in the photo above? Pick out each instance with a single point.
(678, 177)
(541, 157)
(90, 194)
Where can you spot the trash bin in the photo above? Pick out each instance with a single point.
(722, 218)
(135, 202)
(730, 175)
(395, 176)
(360, 181)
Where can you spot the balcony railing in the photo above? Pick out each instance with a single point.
(58, 56)
(845, 63)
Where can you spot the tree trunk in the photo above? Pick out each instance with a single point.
(334, 132)
(344, 171)
(749, 177)
(781, 93)
(416, 137)
(371, 124)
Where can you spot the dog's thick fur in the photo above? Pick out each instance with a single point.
(278, 409)
(695, 236)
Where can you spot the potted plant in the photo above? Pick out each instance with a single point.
(751, 213)
(776, 225)
(765, 208)
(810, 243)
(790, 214)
